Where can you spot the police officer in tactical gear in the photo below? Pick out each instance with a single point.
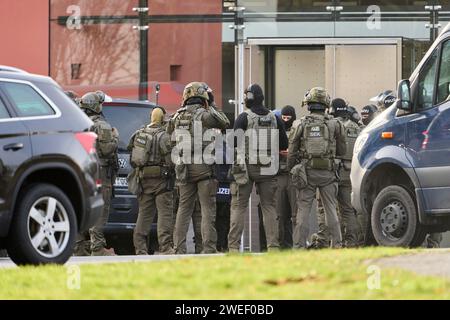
(384, 100)
(194, 176)
(259, 121)
(368, 114)
(286, 192)
(317, 140)
(350, 226)
(106, 145)
(150, 149)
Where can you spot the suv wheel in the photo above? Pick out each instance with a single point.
(44, 227)
(394, 219)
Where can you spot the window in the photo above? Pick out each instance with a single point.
(26, 100)
(444, 74)
(3, 112)
(426, 82)
(127, 119)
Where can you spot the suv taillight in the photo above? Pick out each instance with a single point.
(87, 141)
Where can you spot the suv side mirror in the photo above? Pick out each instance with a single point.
(404, 95)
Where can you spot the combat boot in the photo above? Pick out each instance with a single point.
(82, 249)
(103, 252)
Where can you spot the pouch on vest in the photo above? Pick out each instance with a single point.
(142, 148)
(133, 182)
(181, 173)
(321, 164)
(240, 174)
(298, 176)
(316, 137)
(106, 143)
(151, 172)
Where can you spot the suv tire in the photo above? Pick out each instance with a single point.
(394, 219)
(43, 214)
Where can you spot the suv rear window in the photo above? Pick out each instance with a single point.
(127, 119)
(27, 101)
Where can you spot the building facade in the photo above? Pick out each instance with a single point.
(354, 48)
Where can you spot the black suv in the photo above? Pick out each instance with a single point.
(127, 116)
(49, 187)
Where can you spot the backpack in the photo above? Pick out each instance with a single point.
(352, 131)
(184, 120)
(107, 141)
(262, 126)
(145, 150)
(316, 138)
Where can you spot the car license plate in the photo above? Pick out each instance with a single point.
(121, 182)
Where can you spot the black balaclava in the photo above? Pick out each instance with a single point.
(289, 111)
(254, 96)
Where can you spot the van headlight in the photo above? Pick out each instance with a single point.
(360, 141)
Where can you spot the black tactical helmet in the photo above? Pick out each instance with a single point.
(253, 95)
(339, 108)
(385, 99)
(368, 113)
(354, 115)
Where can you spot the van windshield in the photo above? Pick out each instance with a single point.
(127, 119)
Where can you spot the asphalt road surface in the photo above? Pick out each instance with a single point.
(435, 262)
(7, 263)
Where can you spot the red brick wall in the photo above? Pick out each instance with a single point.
(24, 35)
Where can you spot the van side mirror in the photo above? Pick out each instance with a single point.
(404, 95)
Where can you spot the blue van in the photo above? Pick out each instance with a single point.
(401, 163)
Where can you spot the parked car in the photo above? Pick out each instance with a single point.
(49, 188)
(401, 164)
(127, 116)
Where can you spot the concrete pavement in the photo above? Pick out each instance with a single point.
(7, 263)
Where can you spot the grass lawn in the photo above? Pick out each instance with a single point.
(325, 274)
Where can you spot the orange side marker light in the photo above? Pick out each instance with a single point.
(387, 135)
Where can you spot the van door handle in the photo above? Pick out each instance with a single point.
(13, 147)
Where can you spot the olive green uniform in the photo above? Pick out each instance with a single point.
(319, 174)
(196, 223)
(107, 144)
(155, 177)
(246, 176)
(350, 225)
(196, 179)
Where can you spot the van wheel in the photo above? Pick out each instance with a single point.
(394, 219)
(44, 227)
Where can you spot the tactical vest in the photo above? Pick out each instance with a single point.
(262, 126)
(107, 143)
(146, 150)
(352, 131)
(318, 144)
(185, 119)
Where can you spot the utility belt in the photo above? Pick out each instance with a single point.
(154, 172)
(321, 164)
